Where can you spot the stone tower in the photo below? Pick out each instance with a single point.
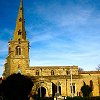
(18, 50)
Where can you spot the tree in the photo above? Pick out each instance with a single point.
(80, 69)
(16, 87)
(86, 90)
(98, 68)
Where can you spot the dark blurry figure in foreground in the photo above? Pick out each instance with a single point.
(16, 87)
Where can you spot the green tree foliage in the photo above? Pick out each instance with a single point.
(86, 90)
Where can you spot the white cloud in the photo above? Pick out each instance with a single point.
(1, 71)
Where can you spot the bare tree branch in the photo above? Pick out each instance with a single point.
(80, 69)
(98, 68)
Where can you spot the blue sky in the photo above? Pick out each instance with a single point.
(61, 32)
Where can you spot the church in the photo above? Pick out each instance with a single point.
(48, 80)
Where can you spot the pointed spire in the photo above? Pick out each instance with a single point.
(20, 33)
(21, 3)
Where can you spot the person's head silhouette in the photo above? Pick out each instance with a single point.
(16, 87)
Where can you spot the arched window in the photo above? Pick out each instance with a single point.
(20, 19)
(72, 87)
(67, 72)
(19, 41)
(18, 50)
(91, 84)
(21, 8)
(52, 72)
(19, 32)
(37, 72)
(60, 90)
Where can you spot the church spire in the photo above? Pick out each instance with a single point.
(20, 33)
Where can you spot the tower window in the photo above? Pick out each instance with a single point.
(18, 50)
(19, 32)
(19, 41)
(21, 8)
(20, 19)
(52, 72)
(67, 72)
(37, 72)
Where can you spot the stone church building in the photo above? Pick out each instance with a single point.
(48, 80)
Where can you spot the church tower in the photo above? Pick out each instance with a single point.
(18, 50)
